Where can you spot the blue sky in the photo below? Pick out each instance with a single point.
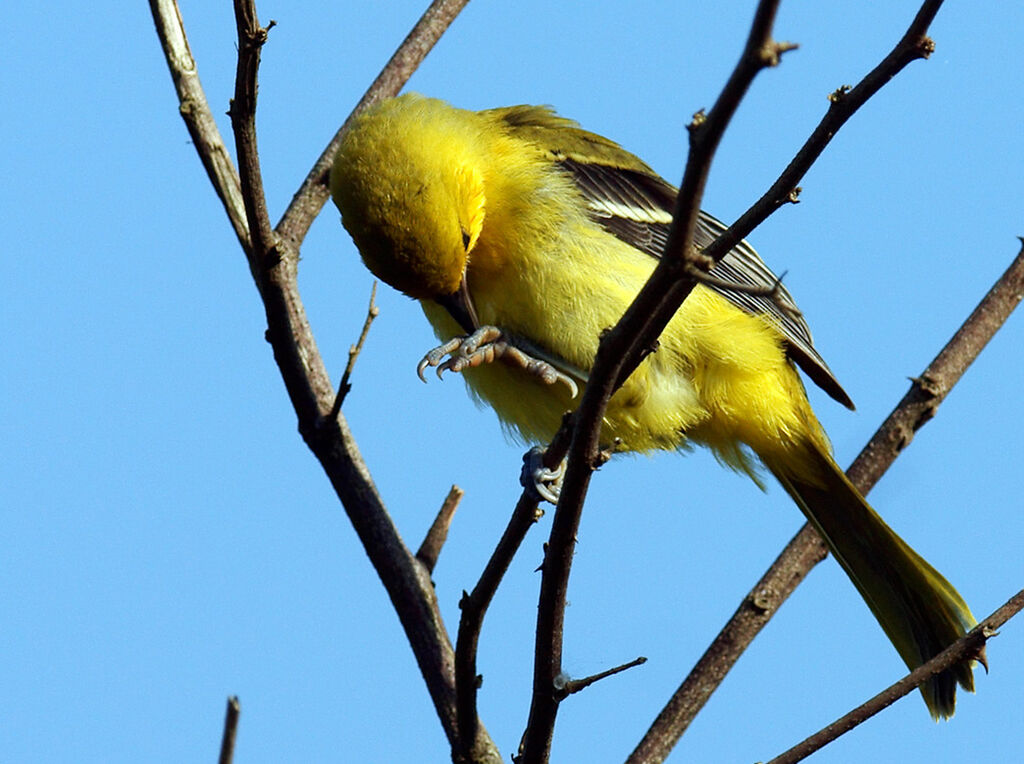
(168, 539)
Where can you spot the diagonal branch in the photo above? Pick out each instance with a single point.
(636, 330)
(195, 110)
(273, 262)
(970, 645)
(807, 549)
(622, 349)
(474, 607)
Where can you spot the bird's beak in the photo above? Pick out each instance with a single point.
(460, 306)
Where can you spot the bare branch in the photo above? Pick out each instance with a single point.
(195, 110)
(807, 549)
(227, 742)
(474, 608)
(312, 194)
(353, 353)
(635, 331)
(251, 37)
(970, 645)
(430, 549)
(273, 266)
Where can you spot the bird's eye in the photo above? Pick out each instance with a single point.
(466, 238)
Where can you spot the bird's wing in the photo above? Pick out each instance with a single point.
(629, 200)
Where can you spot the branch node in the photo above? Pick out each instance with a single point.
(925, 47)
(771, 53)
(762, 598)
(837, 95)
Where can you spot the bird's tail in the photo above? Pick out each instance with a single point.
(918, 609)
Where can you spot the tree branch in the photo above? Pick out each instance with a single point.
(970, 645)
(251, 38)
(195, 111)
(474, 608)
(636, 330)
(806, 548)
(273, 262)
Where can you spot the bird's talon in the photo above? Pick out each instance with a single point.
(546, 484)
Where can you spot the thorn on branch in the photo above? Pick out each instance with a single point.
(565, 686)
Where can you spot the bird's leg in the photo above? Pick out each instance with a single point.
(486, 345)
(545, 483)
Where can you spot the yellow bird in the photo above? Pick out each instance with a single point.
(517, 227)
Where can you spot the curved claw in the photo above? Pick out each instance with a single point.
(545, 483)
(433, 357)
(486, 345)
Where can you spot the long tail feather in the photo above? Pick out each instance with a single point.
(918, 609)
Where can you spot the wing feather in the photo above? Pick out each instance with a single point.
(630, 201)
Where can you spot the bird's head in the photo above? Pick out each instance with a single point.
(410, 195)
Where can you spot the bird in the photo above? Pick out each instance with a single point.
(524, 236)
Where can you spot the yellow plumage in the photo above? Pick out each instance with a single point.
(515, 218)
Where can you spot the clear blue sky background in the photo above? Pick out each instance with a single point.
(168, 540)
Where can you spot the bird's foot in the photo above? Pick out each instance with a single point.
(545, 483)
(486, 345)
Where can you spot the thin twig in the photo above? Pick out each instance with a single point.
(430, 549)
(474, 607)
(227, 741)
(633, 331)
(353, 353)
(195, 111)
(806, 549)
(312, 194)
(572, 686)
(968, 646)
(251, 38)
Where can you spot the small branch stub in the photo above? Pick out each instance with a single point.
(571, 686)
(227, 743)
(771, 54)
(430, 549)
